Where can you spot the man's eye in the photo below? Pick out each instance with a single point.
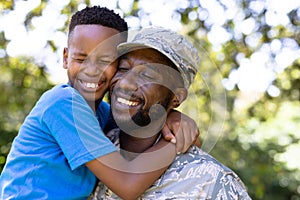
(122, 69)
(81, 60)
(149, 74)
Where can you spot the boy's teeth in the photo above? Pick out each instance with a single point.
(91, 85)
(126, 102)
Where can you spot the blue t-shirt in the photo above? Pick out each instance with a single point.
(47, 158)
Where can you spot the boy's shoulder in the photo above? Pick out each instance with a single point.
(60, 92)
(61, 89)
(60, 95)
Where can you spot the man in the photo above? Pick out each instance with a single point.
(153, 76)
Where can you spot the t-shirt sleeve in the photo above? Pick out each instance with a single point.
(76, 129)
(105, 117)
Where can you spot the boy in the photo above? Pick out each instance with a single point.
(61, 150)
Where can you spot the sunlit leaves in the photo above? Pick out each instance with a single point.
(21, 84)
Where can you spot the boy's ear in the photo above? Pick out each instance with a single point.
(65, 58)
(179, 97)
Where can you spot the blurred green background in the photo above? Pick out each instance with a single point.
(246, 96)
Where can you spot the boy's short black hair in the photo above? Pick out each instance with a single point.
(98, 15)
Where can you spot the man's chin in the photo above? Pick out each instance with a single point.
(129, 124)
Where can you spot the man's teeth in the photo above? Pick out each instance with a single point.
(126, 102)
(90, 85)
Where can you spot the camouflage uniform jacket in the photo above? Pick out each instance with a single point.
(193, 175)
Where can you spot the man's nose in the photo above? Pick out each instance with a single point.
(128, 81)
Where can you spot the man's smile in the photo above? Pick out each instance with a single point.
(123, 100)
(127, 102)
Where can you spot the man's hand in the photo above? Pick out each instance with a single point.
(182, 130)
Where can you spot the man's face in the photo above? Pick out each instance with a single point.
(143, 81)
(90, 59)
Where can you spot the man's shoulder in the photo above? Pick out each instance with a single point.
(199, 175)
(200, 164)
(195, 155)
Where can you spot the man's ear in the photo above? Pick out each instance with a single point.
(179, 97)
(65, 58)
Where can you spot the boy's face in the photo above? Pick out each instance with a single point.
(91, 59)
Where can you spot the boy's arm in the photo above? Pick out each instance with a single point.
(182, 130)
(130, 179)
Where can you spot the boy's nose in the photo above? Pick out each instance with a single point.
(91, 69)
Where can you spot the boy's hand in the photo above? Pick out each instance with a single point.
(182, 130)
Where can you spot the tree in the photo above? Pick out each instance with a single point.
(22, 82)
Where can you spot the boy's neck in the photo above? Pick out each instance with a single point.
(94, 104)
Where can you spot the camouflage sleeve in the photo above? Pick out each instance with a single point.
(229, 186)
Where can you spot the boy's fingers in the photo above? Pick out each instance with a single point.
(197, 142)
(186, 145)
(179, 142)
(190, 139)
(167, 134)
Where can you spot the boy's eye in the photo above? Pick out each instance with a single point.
(104, 62)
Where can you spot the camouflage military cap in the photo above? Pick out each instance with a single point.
(173, 45)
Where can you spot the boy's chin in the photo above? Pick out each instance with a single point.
(92, 97)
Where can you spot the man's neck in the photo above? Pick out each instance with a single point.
(132, 146)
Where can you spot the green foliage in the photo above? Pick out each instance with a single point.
(6, 5)
(22, 82)
(260, 162)
(256, 149)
